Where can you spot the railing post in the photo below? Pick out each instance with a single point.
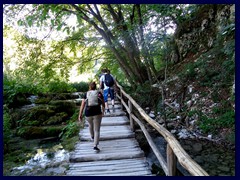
(171, 162)
(130, 115)
(121, 99)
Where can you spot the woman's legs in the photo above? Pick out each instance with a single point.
(97, 123)
(91, 125)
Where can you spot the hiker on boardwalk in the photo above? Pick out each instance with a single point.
(101, 87)
(92, 102)
(108, 80)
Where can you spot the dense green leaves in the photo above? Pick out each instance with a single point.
(125, 30)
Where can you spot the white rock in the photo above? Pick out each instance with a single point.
(183, 134)
(213, 105)
(152, 115)
(155, 85)
(189, 103)
(192, 122)
(190, 88)
(178, 117)
(195, 96)
(210, 136)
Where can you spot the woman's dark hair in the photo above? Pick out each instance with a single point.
(92, 86)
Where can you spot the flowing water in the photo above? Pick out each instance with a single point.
(47, 161)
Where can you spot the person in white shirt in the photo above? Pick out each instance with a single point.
(108, 88)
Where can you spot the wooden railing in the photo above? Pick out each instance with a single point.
(174, 149)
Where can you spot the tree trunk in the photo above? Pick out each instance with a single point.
(127, 53)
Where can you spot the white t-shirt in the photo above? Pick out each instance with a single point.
(102, 78)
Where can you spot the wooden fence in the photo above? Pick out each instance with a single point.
(175, 152)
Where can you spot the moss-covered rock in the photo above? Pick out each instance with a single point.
(59, 118)
(65, 96)
(30, 132)
(198, 34)
(64, 106)
(36, 116)
(19, 99)
(43, 100)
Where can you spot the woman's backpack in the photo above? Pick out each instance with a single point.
(92, 98)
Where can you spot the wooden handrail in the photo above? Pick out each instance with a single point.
(173, 146)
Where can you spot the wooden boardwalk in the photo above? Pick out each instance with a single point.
(120, 154)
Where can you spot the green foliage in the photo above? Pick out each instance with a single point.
(80, 87)
(217, 65)
(192, 113)
(6, 125)
(189, 72)
(58, 86)
(72, 127)
(177, 12)
(83, 44)
(224, 119)
(35, 61)
(12, 88)
(145, 95)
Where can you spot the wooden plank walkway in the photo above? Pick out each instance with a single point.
(120, 154)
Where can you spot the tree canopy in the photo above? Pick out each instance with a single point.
(129, 37)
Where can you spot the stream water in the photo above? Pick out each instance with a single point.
(51, 160)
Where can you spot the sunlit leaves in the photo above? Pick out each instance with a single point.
(126, 31)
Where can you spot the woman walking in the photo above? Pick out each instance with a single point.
(92, 102)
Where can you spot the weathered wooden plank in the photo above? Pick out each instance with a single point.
(109, 128)
(115, 118)
(116, 113)
(102, 167)
(117, 105)
(111, 169)
(108, 155)
(109, 145)
(99, 170)
(101, 156)
(118, 120)
(108, 132)
(110, 136)
(113, 143)
(108, 149)
(114, 146)
(109, 163)
(138, 173)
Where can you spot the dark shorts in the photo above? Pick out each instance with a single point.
(106, 92)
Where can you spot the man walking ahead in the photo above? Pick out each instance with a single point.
(108, 80)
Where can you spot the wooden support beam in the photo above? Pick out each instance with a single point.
(152, 145)
(171, 162)
(130, 116)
